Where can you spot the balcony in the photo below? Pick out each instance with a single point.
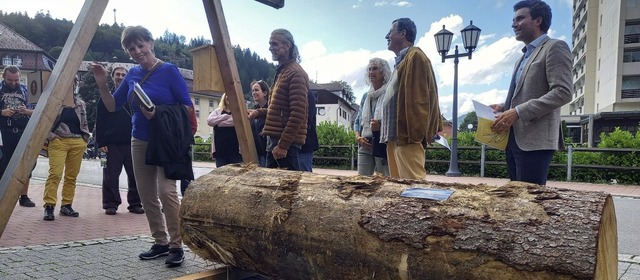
(630, 93)
(631, 38)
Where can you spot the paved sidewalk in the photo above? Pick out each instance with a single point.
(98, 246)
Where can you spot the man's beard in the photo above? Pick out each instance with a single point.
(11, 87)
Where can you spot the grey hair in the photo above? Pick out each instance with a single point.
(383, 64)
(293, 51)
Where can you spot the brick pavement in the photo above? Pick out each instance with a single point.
(99, 246)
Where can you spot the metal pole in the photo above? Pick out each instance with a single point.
(482, 159)
(569, 162)
(352, 159)
(453, 164)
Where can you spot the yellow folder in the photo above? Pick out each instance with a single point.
(486, 136)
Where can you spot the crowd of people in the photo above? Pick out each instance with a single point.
(399, 116)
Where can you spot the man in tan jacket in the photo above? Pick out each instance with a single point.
(411, 112)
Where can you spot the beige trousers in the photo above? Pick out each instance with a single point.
(159, 198)
(406, 161)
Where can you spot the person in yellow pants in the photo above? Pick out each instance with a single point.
(67, 143)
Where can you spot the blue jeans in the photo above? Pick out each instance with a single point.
(291, 162)
(306, 161)
(262, 160)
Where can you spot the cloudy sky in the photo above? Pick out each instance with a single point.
(336, 38)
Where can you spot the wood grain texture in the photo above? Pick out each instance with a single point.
(296, 225)
(230, 79)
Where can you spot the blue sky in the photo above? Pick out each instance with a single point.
(336, 38)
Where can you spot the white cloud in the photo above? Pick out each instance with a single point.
(402, 4)
(346, 66)
(465, 104)
(489, 63)
(312, 50)
(397, 3)
(492, 62)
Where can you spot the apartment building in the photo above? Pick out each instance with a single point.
(606, 69)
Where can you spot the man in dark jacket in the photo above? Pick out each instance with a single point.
(311, 143)
(113, 137)
(16, 112)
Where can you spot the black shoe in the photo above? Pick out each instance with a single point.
(110, 211)
(156, 251)
(136, 210)
(175, 258)
(66, 210)
(26, 202)
(48, 213)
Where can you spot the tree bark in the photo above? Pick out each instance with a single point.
(297, 225)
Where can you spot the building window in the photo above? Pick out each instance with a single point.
(210, 103)
(631, 56)
(632, 33)
(198, 114)
(196, 101)
(630, 87)
(6, 60)
(17, 61)
(321, 111)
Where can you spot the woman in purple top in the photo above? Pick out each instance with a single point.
(164, 86)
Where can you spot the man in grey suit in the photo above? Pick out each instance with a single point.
(540, 85)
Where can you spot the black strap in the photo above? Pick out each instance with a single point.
(155, 66)
(160, 62)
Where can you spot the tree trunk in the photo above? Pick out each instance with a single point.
(297, 225)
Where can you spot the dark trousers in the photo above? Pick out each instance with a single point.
(223, 159)
(118, 155)
(527, 166)
(291, 162)
(10, 139)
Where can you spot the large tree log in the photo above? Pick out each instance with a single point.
(295, 225)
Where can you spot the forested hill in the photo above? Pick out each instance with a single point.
(50, 34)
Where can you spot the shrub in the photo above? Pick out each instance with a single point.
(332, 134)
(202, 149)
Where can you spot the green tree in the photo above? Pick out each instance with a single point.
(348, 91)
(470, 118)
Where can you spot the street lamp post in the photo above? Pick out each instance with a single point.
(470, 36)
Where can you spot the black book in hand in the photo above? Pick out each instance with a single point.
(141, 98)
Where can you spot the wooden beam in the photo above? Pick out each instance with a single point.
(231, 79)
(26, 154)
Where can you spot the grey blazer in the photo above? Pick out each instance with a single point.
(545, 85)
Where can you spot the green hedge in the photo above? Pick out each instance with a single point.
(341, 142)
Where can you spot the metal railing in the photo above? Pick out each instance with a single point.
(482, 162)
